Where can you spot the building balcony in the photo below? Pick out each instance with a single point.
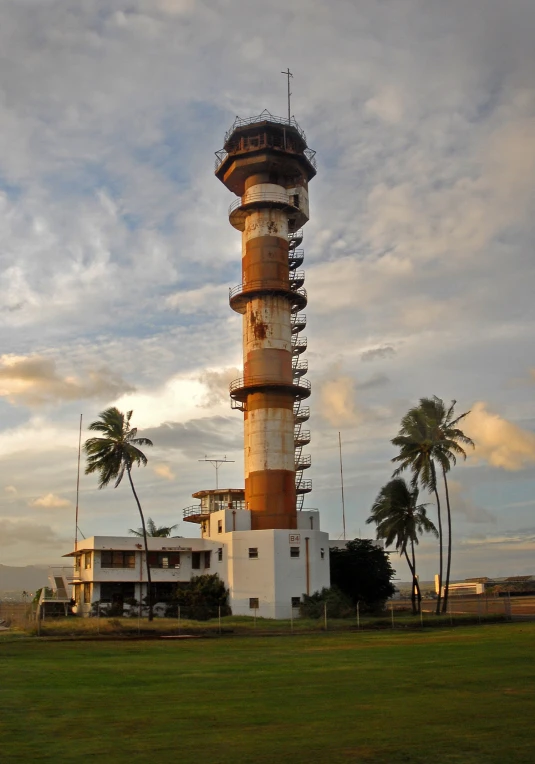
(240, 388)
(299, 345)
(295, 258)
(301, 413)
(303, 486)
(301, 437)
(240, 295)
(303, 462)
(299, 321)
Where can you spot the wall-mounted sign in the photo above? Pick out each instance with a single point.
(295, 538)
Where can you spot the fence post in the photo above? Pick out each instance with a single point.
(507, 603)
(325, 615)
(479, 610)
(358, 614)
(219, 618)
(98, 617)
(255, 617)
(450, 612)
(421, 615)
(392, 613)
(178, 614)
(291, 618)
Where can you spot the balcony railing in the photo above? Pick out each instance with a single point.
(301, 437)
(299, 321)
(299, 345)
(297, 279)
(255, 197)
(300, 369)
(303, 463)
(301, 386)
(295, 258)
(294, 239)
(265, 116)
(303, 486)
(239, 294)
(301, 413)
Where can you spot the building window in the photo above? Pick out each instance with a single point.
(220, 526)
(87, 594)
(296, 601)
(87, 560)
(207, 559)
(322, 553)
(117, 559)
(196, 560)
(164, 560)
(253, 553)
(78, 562)
(253, 603)
(294, 551)
(220, 554)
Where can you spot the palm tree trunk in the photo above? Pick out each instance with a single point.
(441, 558)
(413, 587)
(149, 581)
(416, 582)
(448, 562)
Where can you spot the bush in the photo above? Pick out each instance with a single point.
(338, 605)
(201, 599)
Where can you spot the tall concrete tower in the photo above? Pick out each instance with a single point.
(267, 164)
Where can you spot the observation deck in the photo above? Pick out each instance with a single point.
(242, 293)
(240, 388)
(303, 486)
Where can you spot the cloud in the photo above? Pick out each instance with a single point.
(198, 436)
(498, 441)
(50, 501)
(35, 381)
(462, 504)
(164, 471)
(217, 384)
(11, 490)
(382, 352)
(338, 402)
(25, 531)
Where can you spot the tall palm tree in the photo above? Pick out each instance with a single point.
(163, 531)
(448, 437)
(114, 453)
(400, 519)
(416, 443)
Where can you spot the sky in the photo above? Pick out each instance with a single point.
(116, 253)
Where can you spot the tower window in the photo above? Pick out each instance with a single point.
(322, 553)
(220, 554)
(253, 553)
(220, 526)
(294, 551)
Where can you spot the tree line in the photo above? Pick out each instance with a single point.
(429, 441)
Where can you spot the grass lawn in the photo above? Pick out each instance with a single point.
(461, 695)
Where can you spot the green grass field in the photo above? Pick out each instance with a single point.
(460, 695)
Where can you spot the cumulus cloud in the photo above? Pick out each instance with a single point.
(198, 436)
(164, 471)
(338, 403)
(462, 504)
(217, 384)
(25, 531)
(378, 353)
(50, 501)
(35, 381)
(498, 441)
(11, 490)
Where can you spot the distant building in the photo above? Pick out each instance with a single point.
(483, 584)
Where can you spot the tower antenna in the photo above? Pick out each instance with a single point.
(217, 464)
(288, 74)
(78, 485)
(342, 485)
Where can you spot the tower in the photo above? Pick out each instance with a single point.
(267, 164)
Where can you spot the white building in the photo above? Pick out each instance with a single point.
(265, 571)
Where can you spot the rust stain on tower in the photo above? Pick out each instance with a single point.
(266, 162)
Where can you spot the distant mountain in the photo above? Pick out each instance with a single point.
(29, 578)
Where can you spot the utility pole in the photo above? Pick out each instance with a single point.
(288, 74)
(217, 464)
(342, 485)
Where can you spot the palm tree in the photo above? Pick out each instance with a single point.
(448, 436)
(164, 531)
(416, 444)
(400, 519)
(114, 453)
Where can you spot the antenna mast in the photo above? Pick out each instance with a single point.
(78, 485)
(288, 74)
(217, 464)
(342, 485)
